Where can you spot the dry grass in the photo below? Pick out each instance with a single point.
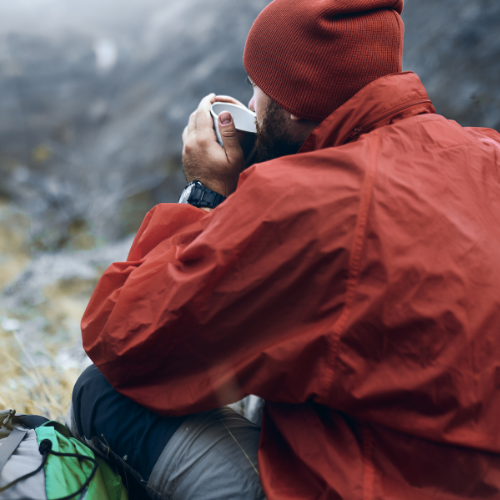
(33, 379)
(39, 390)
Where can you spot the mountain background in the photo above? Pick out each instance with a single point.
(94, 95)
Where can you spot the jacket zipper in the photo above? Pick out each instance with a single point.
(387, 114)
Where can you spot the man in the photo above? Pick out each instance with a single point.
(354, 285)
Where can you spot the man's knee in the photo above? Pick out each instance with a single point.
(89, 398)
(129, 430)
(91, 377)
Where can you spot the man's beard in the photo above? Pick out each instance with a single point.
(273, 137)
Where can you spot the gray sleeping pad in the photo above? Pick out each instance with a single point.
(19, 455)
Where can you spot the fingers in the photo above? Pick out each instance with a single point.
(229, 136)
(192, 123)
(190, 129)
(204, 121)
(199, 135)
(203, 116)
(207, 101)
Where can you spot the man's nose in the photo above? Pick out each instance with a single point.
(251, 104)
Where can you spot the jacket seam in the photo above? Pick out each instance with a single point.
(354, 262)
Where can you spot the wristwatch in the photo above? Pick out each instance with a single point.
(196, 194)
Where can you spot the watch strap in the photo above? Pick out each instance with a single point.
(202, 197)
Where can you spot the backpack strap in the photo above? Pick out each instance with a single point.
(10, 445)
(29, 421)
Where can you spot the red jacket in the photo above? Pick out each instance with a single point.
(355, 286)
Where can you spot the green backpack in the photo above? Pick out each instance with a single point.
(40, 460)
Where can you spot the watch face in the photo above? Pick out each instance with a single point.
(185, 194)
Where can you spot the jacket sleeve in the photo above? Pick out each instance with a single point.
(211, 307)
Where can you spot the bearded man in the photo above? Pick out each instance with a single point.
(350, 278)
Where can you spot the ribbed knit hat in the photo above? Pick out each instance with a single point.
(312, 56)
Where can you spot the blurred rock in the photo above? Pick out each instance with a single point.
(64, 274)
(454, 46)
(94, 97)
(44, 302)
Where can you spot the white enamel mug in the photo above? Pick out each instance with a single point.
(244, 119)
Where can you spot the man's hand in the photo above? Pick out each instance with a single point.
(203, 158)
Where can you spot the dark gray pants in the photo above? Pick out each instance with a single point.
(206, 456)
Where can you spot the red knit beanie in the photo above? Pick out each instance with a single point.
(312, 56)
